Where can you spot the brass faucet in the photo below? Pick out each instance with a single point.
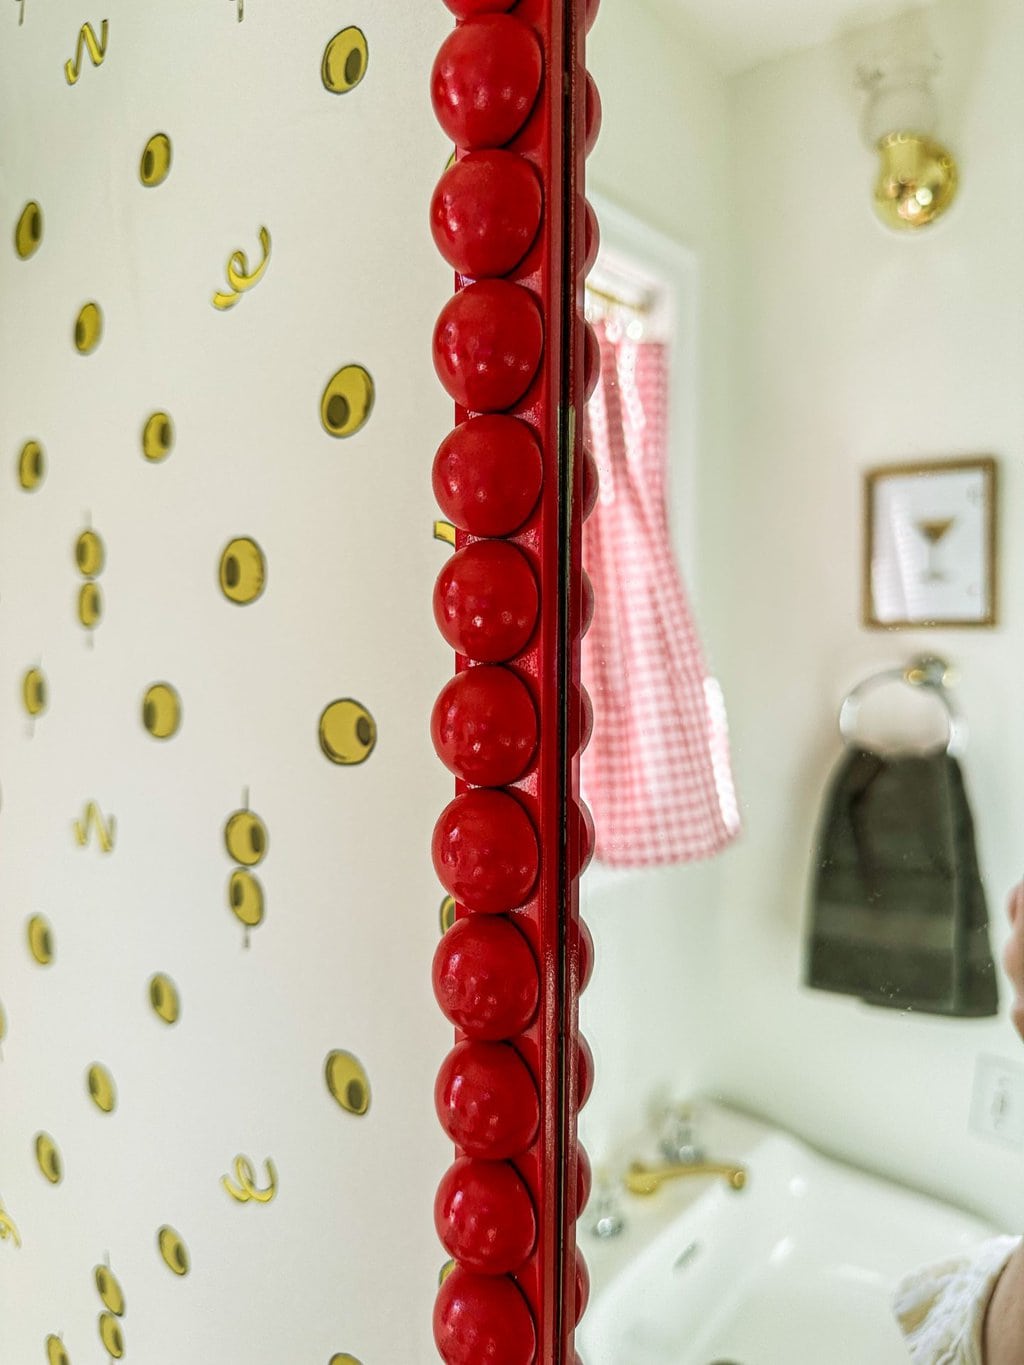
(641, 1179)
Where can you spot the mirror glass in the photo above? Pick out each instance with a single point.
(808, 1081)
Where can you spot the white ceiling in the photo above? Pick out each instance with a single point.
(744, 33)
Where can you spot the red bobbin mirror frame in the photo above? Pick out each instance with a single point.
(510, 89)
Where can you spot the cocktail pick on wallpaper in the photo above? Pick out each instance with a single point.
(247, 841)
(111, 1294)
(90, 560)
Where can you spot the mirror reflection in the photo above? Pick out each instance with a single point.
(802, 665)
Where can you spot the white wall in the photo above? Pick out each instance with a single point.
(854, 347)
(665, 125)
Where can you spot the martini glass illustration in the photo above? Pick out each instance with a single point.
(935, 530)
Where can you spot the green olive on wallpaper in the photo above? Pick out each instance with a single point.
(109, 1289)
(34, 692)
(346, 58)
(445, 1271)
(161, 711)
(164, 998)
(28, 232)
(102, 1090)
(173, 1250)
(347, 401)
(90, 554)
(90, 605)
(55, 1352)
(88, 331)
(348, 733)
(155, 162)
(31, 466)
(348, 1082)
(157, 437)
(49, 1159)
(246, 838)
(111, 1335)
(40, 940)
(447, 913)
(245, 896)
(344, 1359)
(243, 571)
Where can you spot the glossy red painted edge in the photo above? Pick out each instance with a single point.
(484, 346)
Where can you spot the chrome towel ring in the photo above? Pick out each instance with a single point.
(926, 671)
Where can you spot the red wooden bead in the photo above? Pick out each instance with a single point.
(586, 955)
(588, 718)
(484, 1216)
(584, 1072)
(584, 1180)
(587, 836)
(468, 9)
(485, 81)
(485, 851)
(591, 237)
(592, 115)
(485, 978)
(486, 213)
(581, 720)
(487, 1101)
(483, 1320)
(486, 601)
(488, 475)
(487, 345)
(591, 477)
(582, 1286)
(484, 726)
(581, 829)
(591, 362)
(589, 603)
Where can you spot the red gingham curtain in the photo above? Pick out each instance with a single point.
(657, 774)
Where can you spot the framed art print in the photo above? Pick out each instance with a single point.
(930, 544)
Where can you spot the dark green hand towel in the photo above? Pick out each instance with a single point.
(898, 913)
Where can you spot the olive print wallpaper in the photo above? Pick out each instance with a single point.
(218, 410)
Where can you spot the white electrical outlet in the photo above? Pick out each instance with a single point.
(997, 1106)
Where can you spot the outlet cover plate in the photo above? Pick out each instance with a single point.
(997, 1105)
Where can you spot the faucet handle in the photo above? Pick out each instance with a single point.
(605, 1214)
(677, 1140)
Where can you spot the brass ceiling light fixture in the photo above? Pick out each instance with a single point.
(918, 177)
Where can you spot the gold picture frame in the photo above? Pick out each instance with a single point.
(930, 545)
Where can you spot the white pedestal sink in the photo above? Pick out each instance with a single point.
(798, 1268)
